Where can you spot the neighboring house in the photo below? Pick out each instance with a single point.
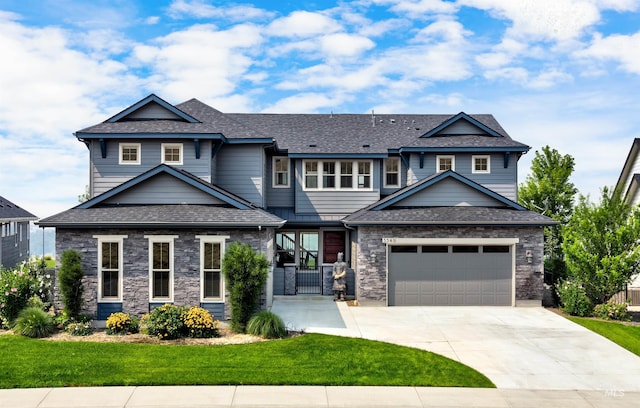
(423, 207)
(14, 221)
(629, 183)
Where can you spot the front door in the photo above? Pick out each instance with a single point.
(332, 243)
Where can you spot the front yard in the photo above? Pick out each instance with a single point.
(310, 359)
(625, 335)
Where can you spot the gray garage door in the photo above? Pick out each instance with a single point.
(450, 275)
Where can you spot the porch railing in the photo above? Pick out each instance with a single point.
(308, 281)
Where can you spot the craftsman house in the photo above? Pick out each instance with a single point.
(424, 207)
(14, 237)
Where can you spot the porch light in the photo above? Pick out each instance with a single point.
(373, 257)
(529, 255)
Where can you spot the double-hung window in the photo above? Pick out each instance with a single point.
(172, 153)
(392, 172)
(211, 253)
(280, 172)
(110, 270)
(337, 175)
(481, 164)
(161, 267)
(129, 153)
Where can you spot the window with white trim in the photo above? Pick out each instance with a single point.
(337, 174)
(129, 153)
(280, 172)
(392, 172)
(172, 153)
(110, 270)
(481, 164)
(444, 163)
(161, 267)
(211, 279)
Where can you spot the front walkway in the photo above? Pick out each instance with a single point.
(516, 347)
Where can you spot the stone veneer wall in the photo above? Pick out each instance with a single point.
(371, 279)
(135, 297)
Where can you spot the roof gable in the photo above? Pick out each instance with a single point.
(146, 181)
(461, 124)
(628, 173)
(10, 212)
(152, 108)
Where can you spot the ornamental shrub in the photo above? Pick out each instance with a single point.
(18, 285)
(165, 322)
(34, 322)
(573, 299)
(70, 281)
(612, 311)
(199, 323)
(268, 325)
(122, 323)
(79, 329)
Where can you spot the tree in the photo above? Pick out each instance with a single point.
(547, 190)
(70, 280)
(601, 245)
(245, 273)
(84, 196)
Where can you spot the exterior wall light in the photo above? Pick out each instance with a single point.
(373, 257)
(529, 255)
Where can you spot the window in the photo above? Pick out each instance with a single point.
(211, 253)
(172, 153)
(160, 267)
(465, 249)
(129, 153)
(481, 164)
(280, 172)
(445, 163)
(345, 175)
(392, 172)
(110, 270)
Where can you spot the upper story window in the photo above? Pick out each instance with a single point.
(129, 153)
(392, 172)
(172, 153)
(444, 163)
(280, 172)
(481, 164)
(337, 175)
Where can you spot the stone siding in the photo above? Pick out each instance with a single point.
(371, 278)
(135, 297)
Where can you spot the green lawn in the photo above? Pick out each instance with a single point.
(312, 359)
(621, 334)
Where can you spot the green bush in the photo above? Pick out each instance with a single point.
(34, 322)
(79, 329)
(70, 281)
(573, 299)
(268, 325)
(199, 323)
(17, 286)
(612, 311)
(245, 273)
(165, 322)
(122, 323)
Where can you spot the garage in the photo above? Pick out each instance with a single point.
(462, 273)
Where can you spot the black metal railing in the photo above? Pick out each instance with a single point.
(308, 281)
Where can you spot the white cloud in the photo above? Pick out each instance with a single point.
(620, 48)
(305, 103)
(345, 45)
(419, 6)
(303, 24)
(199, 9)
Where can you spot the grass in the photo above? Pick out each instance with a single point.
(312, 359)
(624, 335)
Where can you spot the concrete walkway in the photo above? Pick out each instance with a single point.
(517, 348)
(318, 397)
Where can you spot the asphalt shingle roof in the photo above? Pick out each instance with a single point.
(10, 212)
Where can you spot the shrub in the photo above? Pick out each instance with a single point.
(245, 273)
(70, 280)
(17, 286)
(79, 329)
(612, 311)
(199, 323)
(165, 322)
(574, 300)
(34, 322)
(122, 323)
(35, 301)
(268, 325)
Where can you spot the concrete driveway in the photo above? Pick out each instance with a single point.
(517, 348)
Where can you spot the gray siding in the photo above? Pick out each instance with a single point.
(334, 201)
(13, 250)
(462, 127)
(163, 189)
(240, 170)
(279, 197)
(107, 173)
(449, 193)
(153, 111)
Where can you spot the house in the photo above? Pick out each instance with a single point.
(628, 183)
(424, 207)
(14, 221)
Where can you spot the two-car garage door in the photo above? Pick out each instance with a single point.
(450, 275)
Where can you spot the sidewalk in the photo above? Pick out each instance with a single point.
(329, 397)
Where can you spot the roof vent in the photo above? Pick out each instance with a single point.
(392, 120)
(313, 145)
(365, 145)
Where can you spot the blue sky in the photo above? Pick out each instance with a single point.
(564, 73)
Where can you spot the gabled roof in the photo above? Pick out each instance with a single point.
(461, 117)
(391, 211)
(227, 210)
(626, 176)
(10, 212)
(151, 99)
